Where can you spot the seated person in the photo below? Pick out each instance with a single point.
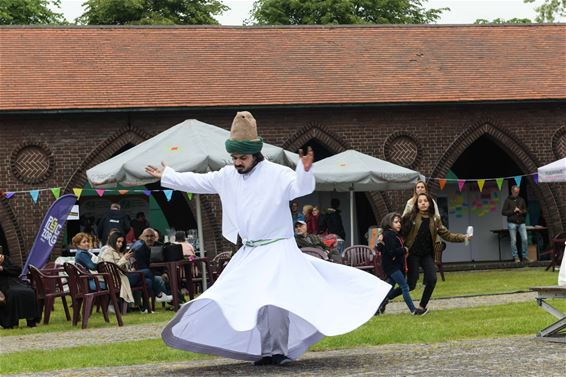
(141, 250)
(188, 249)
(84, 258)
(304, 239)
(20, 301)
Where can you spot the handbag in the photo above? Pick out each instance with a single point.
(156, 254)
(172, 252)
(439, 247)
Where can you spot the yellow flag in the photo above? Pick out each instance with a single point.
(481, 182)
(78, 192)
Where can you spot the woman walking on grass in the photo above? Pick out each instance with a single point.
(393, 253)
(420, 228)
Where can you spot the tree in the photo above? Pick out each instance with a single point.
(548, 11)
(30, 12)
(151, 12)
(324, 12)
(483, 21)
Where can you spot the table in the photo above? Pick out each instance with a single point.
(553, 332)
(173, 269)
(502, 233)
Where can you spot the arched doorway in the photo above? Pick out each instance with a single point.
(485, 157)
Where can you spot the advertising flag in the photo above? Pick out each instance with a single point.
(49, 232)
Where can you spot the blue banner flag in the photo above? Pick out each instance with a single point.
(49, 232)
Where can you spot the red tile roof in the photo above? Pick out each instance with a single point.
(148, 67)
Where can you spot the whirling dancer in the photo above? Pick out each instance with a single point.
(271, 302)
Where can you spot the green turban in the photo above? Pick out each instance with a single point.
(244, 146)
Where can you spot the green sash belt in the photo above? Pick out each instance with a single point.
(257, 243)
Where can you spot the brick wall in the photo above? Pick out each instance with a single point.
(55, 150)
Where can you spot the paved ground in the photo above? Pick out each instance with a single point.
(516, 356)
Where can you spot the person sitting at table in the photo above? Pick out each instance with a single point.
(141, 250)
(188, 249)
(19, 298)
(86, 259)
(304, 239)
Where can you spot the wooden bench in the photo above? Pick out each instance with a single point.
(553, 332)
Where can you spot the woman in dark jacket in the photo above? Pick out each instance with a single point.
(393, 253)
(20, 297)
(420, 228)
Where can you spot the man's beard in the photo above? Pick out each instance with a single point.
(246, 171)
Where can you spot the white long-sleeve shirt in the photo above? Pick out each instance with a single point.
(254, 205)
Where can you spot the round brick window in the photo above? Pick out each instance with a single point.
(32, 162)
(559, 143)
(401, 149)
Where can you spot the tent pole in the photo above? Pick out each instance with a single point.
(352, 199)
(201, 241)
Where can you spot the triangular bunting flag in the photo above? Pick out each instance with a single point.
(123, 192)
(518, 180)
(442, 183)
(499, 182)
(481, 182)
(78, 192)
(34, 195)
(147, 192)
(168, 194)
(100, 192)
(9, 194)
(535, 178)
(56, 191)
(461, 184)
(190, 195)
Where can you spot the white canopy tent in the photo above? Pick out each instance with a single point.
(352, 171)
(553, 172)
(191, 146)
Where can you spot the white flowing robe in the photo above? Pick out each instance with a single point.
(322, 298)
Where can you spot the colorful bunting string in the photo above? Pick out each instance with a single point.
(442, 182)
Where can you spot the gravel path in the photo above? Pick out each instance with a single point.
(153, 330)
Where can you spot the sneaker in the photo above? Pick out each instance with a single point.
(420, 311)
(164, 298)
(145, 311)
(527, 260)
(281, 359)
(266, 360)
(517, 260)
(381, 309)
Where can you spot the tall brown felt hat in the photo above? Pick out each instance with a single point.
(243, 127)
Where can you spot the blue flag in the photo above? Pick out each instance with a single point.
(49, 231)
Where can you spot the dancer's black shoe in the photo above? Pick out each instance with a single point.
(281, 360)
(266, 360)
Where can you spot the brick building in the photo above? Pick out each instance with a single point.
(478, 101)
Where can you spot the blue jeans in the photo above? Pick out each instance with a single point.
(403, 288)
(513, 235)
(158, 285)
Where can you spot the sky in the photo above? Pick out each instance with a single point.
(461, 11)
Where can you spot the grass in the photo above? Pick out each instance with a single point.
(438, 326)
(490, 282)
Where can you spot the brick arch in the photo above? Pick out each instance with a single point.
(335, 144)
(12, 231)
(105, 150)
(319, 132)
(516, 150)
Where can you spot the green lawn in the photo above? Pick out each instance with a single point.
(438, 326)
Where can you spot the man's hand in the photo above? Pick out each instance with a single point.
(155, 172)
(307, 159)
